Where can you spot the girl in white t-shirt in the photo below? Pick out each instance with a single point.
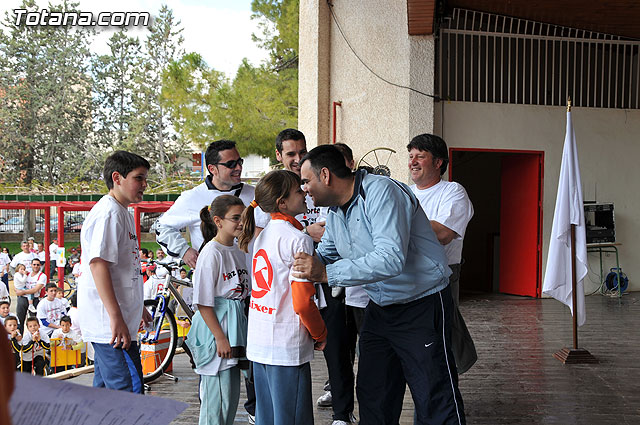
(284, 322)
(217, 337)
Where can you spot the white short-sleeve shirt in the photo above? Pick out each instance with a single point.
(4, 294)
(33, 281)
(108, 233)
(52, 312)
(152, 286)
(23, 258)
(4, 260)
(58, 333)
(220, 272)
(448, 204)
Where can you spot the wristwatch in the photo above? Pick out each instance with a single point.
(305, 231)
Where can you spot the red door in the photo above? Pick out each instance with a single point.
(520, 224)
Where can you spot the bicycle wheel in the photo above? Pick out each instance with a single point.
(156, 354)
(69, 288)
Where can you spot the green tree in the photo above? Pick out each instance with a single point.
(190, 91)
(113, 86)
(150, 131)
(278, 20)
(261, 100)
(45, 97)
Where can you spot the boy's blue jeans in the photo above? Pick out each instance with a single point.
(118, 369)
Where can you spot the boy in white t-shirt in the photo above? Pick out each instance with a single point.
(10, 324)
(68, 338)
(155, 283)
(110, 291)
(60, 296)
(35, 344)
(5, 311)
(50, 310)
(187, 293)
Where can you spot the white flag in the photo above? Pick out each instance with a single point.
(569, 210)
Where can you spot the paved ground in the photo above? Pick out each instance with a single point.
(516, 379)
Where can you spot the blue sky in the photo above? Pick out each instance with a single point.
(220, 30)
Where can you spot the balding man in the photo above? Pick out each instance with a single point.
(375, 237)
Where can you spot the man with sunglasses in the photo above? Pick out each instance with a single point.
(225, 167)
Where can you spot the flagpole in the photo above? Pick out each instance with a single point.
(575, 355)
(574, 280)
(574, 286)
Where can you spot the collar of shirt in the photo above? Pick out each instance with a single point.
(211, 186)
(357, 189)
(286, 217)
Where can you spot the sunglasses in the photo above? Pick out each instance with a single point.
(231, 164)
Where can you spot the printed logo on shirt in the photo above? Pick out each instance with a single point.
(243, 282)
(262, 308)
(306, 220)
(262, 265)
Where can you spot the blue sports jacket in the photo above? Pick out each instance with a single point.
(384, 242)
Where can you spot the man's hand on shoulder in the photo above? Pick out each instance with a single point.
(309, 267)
(190, 257)
(316, 230)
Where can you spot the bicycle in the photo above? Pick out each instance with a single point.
(159, 340)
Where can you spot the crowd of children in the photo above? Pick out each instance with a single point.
(50, 326)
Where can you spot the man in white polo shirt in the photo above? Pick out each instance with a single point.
(449, 210)
(23, 257)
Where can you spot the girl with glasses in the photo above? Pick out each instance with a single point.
(217, 337)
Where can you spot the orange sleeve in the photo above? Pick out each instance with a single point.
(304, 307)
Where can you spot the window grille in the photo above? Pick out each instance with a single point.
(484, 57)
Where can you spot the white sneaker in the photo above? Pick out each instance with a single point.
(32, 309)
(325, 400)
(352, 420)
(251, 418)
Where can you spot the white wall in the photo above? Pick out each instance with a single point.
(609, 150)
(254, 166)
(374, 113)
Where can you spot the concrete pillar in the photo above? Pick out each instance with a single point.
(314, 118)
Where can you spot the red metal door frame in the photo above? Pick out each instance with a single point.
(540, 155)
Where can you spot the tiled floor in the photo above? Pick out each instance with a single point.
(516, 379)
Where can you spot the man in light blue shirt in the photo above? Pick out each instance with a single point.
(375, 236)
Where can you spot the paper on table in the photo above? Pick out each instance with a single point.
(39, 400)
